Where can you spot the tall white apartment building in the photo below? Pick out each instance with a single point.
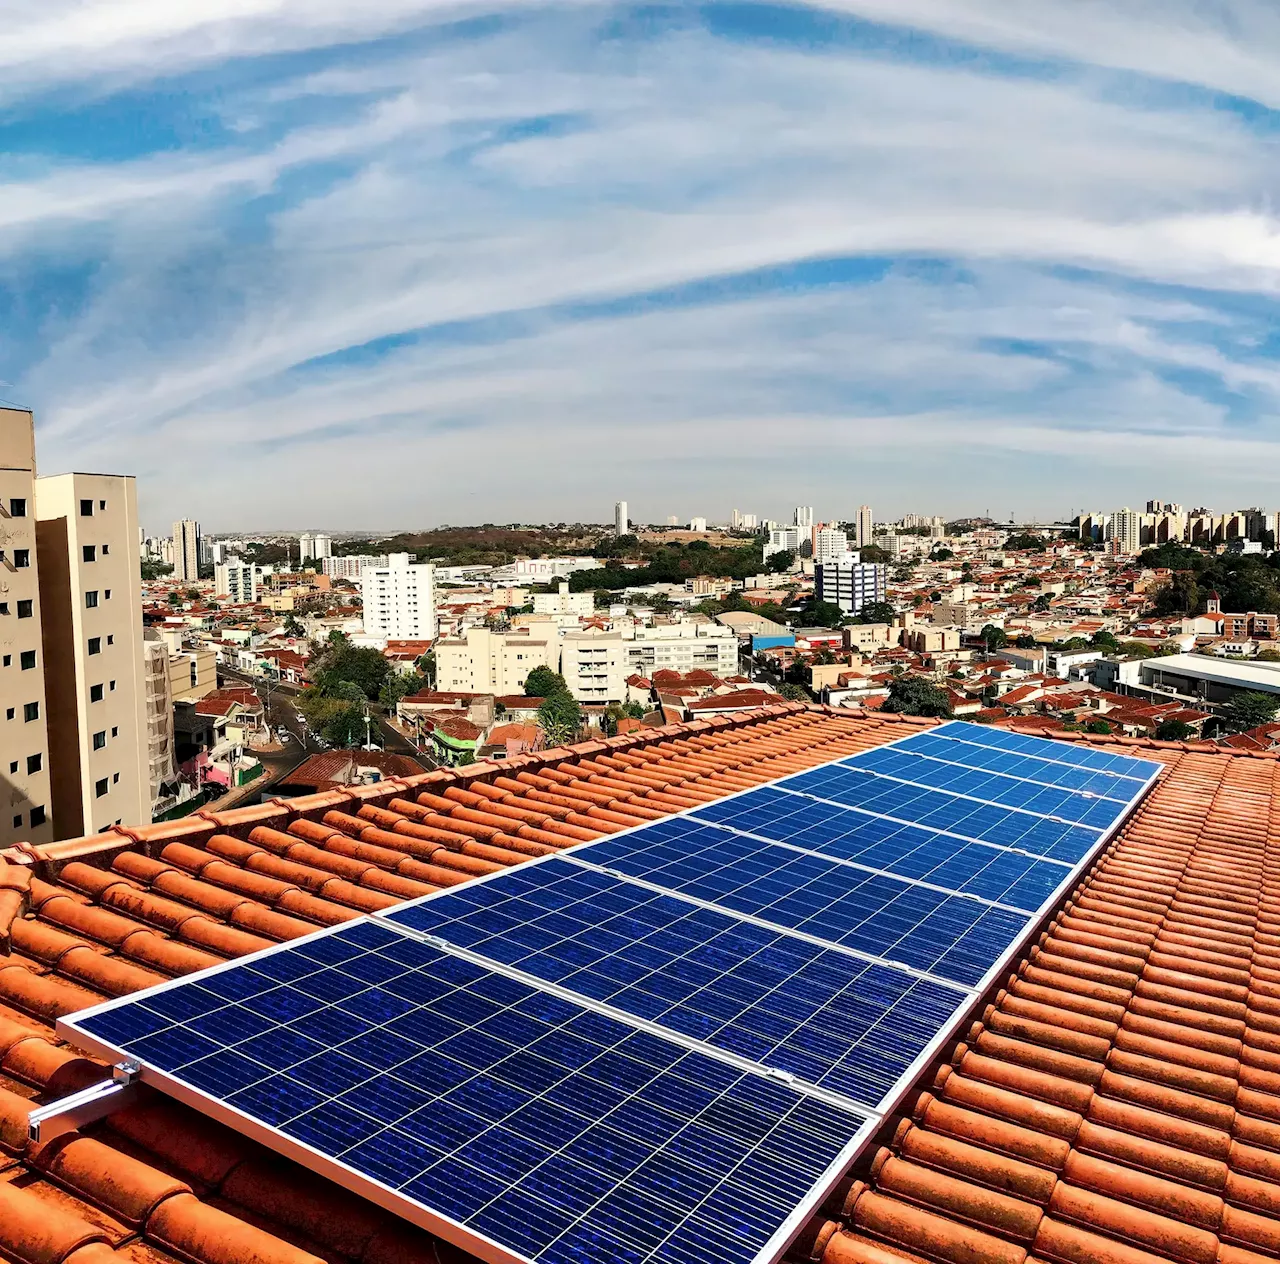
(314, 547)
(783, 540)
(95, 668)
(484, 661)
(564, 602)
(352, 567)
(237, 580)
(804, 518)
(863, 527)
(697, 524)
(829, 543)
(620, 522)
(850, 583)
(682, 647)
(1125, 530)
(594, 665)
(186, 550)
(399, 600)
(25, 757)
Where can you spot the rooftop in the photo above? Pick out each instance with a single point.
(1118, 1100)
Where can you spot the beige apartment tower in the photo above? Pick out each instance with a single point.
(26, 813)
(186, 550)
(95, 677)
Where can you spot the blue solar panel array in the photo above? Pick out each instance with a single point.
(558, 1132)
(662, 1047)
(848, 1025)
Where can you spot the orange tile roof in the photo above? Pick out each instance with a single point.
(1117, 1102)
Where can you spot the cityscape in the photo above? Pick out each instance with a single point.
(639, 634)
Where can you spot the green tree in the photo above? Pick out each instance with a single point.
(342, 661)
(1104, 640)
(1268, 655)
(399, 685)
(1041, 603)
(874, 553)
(876, 612)
(559, 718)
(175, 598)
(1025, 540)
(1181, 595)
(155, 570)
(426, 666)
(914, 695)
(1174, 731)
(793, 692)
(1097, 726)
(993, 637)
(292, 627)
(542, 682)
(634, 709)
(1135, 649)
(782, 561)
(1247, 711)
(1026, 642)
(941, 555)
(822, 614)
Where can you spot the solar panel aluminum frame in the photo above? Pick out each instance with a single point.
(377, 1192)
(964, 1013)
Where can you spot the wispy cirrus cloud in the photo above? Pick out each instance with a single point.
(485, 260)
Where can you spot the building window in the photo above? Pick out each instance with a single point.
(91, 599)
(18, 508)
(112, 686)
(95, 645)
(34, 763)
(8, 658)
(115, 777)
(106, 550)
(17, 821)
(21, 558)
(100, 739)
(100, 788)
(25, 609)
(111, 640)
(4, 607)
(115, 730)
(13, 766)
(90, 553)
(95, 693)
(37, 815)
(8, 715)
(106, 596)
(28, 659)
(30, 711)
(102, 504)
(86, 509)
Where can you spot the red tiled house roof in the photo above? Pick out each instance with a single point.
(1117, 1102)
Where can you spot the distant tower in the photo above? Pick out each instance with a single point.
(804, 517)
(1214, 604)
(864, 527)
(620, 524)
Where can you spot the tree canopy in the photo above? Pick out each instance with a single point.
(340, 661)
(1174, 731)
(559, 717)
(1247, 711)
(914, 695)
(994, 637)
(876, 612)
(1025, 540)
(542, 682)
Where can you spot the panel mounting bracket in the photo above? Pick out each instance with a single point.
(85, 1107)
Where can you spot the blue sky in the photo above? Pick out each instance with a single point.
(406, 262)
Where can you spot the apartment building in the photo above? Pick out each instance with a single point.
(829, 544)
(193, 674)
(186, 550)
(483, 661)
(352, 567)
(564, 602)
(95, 668)
(863, 527)
(314, 547)
(850, 583)
(595, 665)
(682, 647)
(399, 600)
(161, 769)
(237, 580)
(25, 797)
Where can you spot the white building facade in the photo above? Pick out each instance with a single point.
(237, 580)
(399, 600)
(850, 583)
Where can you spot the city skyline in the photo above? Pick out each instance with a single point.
(969, 258)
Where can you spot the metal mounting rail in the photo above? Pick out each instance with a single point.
(85, 1107)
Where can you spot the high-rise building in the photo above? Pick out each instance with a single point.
(804, 517)
(399, 600)
(95, 669)
(620, 522)
(237, 580)
(186, 550)
(783, 540)
(314, 547)
(25, 758)
(697, 524)
(158, 707)
(863, 526)
(1125, 530)
(851, 583)
(829, 543)
(350, 567)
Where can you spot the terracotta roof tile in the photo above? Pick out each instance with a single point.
(1116, 1100)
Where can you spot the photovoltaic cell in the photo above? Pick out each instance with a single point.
(848, 1026)
(1090, 757)
(559, 1133)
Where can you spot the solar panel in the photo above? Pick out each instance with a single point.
(496, 1113)
(665, 1045)
(845, 1024)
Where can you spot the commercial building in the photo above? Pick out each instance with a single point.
(95, 669)
(24, 744)
(850, 583)
(620, 523)
(237, 580)
(399, 600)
(783, 540)
(484, 661)
(186, 550)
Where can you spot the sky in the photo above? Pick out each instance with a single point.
(400, 263)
